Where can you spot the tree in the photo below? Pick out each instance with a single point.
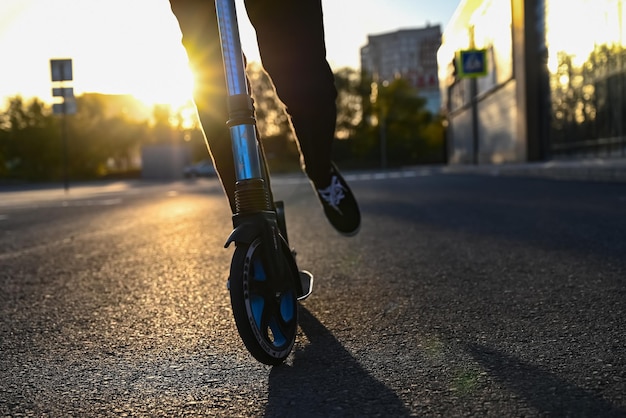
(27, 151)
(404, 129)
(350, 93)
(588, 99)
(105, 134)
(272, 122)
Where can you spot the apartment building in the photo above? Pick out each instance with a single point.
(407, 53)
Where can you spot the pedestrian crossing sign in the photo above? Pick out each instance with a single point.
(471, 63)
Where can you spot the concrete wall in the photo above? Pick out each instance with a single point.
(460, 138)
(497, 129)
(497, 121)
(497, 135)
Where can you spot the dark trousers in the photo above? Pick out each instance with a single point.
(290, 35)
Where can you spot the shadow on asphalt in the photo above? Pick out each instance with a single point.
(325, 380)
(549, 394)
(541, 213)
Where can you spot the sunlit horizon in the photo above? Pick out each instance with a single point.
(134, 48)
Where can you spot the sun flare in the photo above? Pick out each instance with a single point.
(117, 47)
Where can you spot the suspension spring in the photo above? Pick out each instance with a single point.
(251, 196)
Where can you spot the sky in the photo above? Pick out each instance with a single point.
(133, 46)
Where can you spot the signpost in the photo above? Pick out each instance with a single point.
(61, 75)
(61, 69)
(472, 64)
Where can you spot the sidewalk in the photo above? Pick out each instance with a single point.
(609, 169)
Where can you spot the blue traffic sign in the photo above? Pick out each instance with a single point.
(472, 63)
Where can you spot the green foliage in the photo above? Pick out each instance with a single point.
(272, 123)
(390, 115)
(103, 136)
(25, 149)
(350, 90)
(412, 131)
(414, 135)
(587, 100)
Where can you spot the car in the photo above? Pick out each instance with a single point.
(204, 168)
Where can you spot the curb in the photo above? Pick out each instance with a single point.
(604, 170)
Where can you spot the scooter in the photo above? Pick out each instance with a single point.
(265, 283)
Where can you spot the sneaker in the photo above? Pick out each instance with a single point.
(339, 204)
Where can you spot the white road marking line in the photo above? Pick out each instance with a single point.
(382, 175)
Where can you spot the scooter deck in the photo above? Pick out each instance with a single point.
(306, 279)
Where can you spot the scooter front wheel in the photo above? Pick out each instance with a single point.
(266, 315)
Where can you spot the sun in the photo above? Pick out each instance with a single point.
(143, 56)
(117, 47)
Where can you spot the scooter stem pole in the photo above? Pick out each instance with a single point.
(241, 123)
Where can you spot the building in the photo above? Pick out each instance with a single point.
(410, 54)
(555, 82)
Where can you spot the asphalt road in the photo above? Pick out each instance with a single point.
(462, 296)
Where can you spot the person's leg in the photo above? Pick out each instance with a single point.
(198, 24)
(291, 41)
(290, 36)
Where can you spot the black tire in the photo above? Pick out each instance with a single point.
(267, 319)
